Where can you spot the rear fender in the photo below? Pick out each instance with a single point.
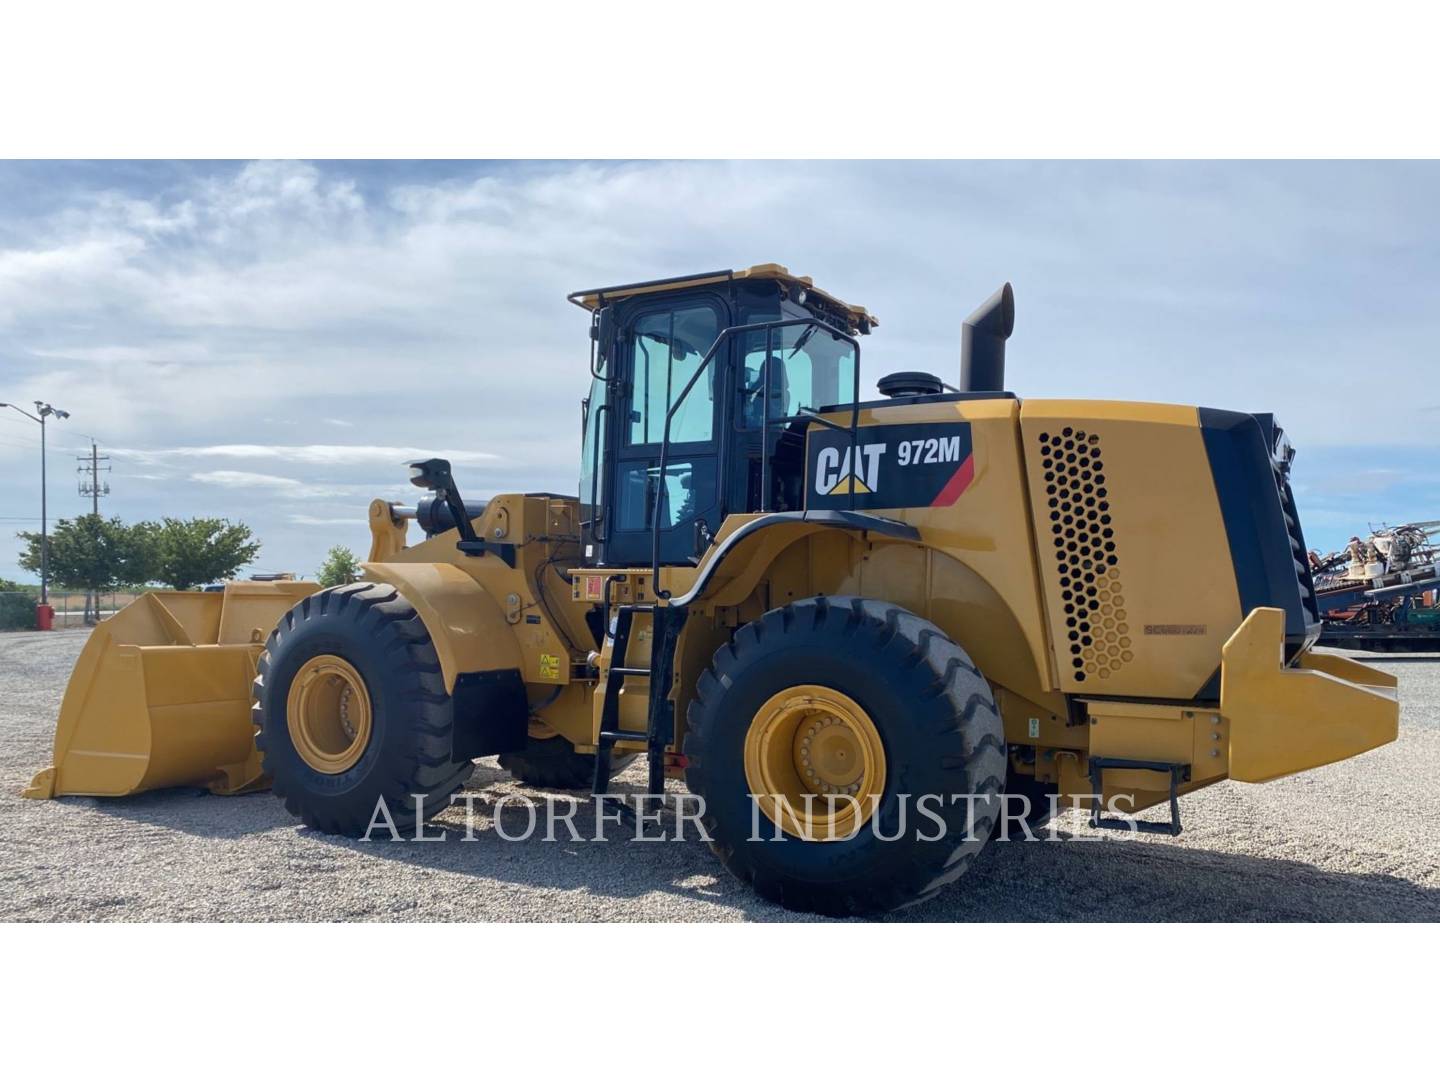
(740, 558)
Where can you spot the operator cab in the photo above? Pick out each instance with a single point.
(694, 352)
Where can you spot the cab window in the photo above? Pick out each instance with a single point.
(666, 350)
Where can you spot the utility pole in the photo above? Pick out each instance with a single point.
(90, 463)
(45, 410)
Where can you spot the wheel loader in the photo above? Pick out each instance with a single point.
(814, 609)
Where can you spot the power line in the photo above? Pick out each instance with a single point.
(50, 451)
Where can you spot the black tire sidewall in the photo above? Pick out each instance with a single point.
(347, 801)
(863, 872)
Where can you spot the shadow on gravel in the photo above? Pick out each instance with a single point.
(196, 812)
(1106, 880)
(1132, 881)
(1396, 658)
(617, 867)
(1109, 880)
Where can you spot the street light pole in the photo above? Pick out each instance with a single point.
(44, 534)
(45, 410)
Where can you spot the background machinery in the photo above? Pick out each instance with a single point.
(821, 612)
(1381, 593)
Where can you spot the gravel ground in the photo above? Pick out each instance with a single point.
(1354, 841)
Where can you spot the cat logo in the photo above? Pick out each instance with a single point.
(891, 466)
(834, 476)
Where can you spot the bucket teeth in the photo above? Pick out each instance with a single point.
(42, 786)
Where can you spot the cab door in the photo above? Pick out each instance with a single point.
(661, 346)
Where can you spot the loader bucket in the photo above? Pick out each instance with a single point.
(160, 696)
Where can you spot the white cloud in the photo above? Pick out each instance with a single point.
(236, 479)
(319, 454)
(308, 519)
(291, 488)
(1360, 481)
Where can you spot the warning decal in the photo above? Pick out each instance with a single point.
(893, 466)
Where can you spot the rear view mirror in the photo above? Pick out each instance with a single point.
(604, 331)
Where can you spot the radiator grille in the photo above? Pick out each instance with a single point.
(1086, 560)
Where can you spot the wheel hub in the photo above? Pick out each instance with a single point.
(818, 742)
(831, 757)
(328, 714)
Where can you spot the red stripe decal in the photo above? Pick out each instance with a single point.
(956, 485)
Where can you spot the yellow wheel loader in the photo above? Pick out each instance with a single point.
(824, 613)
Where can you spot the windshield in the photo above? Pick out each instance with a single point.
(809, 369)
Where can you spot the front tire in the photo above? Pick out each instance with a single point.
(869, 699)
(350, 709)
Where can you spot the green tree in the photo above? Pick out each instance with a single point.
(93, 554)
(8, 586)
(198, 551)
(340, 568)
(17, 606)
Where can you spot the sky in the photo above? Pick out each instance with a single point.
(271, 341)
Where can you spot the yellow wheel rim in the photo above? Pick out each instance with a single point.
(328, 714)
(815, 741)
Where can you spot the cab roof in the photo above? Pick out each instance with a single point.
(857, 317)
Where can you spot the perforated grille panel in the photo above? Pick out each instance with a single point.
(1086, 559)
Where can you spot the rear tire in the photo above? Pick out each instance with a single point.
(377, 633)
(555, 763)
(936, 720)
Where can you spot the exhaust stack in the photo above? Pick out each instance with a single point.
(982, 341)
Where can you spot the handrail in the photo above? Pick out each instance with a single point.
(595, 345)
(597, 515)
(769, 329)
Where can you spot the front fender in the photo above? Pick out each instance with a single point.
(464, 621)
